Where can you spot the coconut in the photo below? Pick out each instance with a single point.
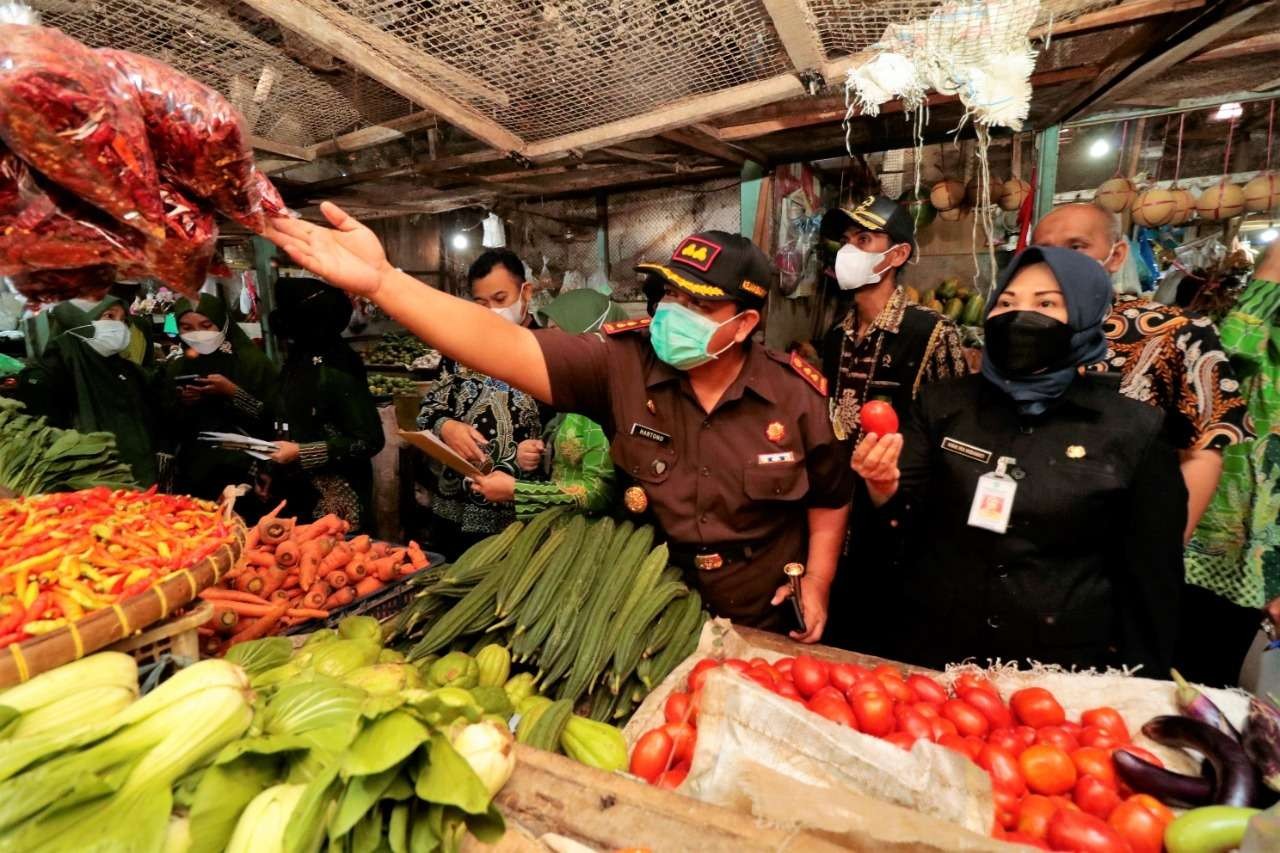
(1262, 194)
(1153, 207)
(951, 214)
(1221, 201)
(1013, 193)
(1184, 206)
(994, 190)
(946, 195)
(1115, 194)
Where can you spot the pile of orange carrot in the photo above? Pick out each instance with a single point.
(289, 573)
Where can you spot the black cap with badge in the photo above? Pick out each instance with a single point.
(716, 266)
(873, 213)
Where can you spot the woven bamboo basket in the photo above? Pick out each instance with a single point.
(21, 661)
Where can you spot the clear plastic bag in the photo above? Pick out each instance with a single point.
(182, 259)
(197, 137)
(59, 285)
(43, 228)
(69, 116)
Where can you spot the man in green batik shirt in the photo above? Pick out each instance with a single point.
(1235, 551)
(582, 475)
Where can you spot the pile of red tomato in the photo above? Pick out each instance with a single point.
(1053, 779)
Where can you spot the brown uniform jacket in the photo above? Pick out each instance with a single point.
(736, 482)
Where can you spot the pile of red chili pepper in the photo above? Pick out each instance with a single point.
(65, 555)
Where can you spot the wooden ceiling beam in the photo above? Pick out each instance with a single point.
(798, 32)
(702, 138)
(1119, 15)
(427, 167)
(1155, 47)
(349, 38)
(387, 131)
(294, 152)
(1263, 43)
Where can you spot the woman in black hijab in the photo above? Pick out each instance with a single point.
(328, 423)
(1045, 510)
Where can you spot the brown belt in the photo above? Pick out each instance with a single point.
(709, 558)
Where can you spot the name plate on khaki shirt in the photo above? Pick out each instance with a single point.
(650, 433)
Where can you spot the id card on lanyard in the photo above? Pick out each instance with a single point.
(993, 498)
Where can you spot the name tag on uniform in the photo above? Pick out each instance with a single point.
(775, 458)
(650, 433)
(968, 451)
(993, 499)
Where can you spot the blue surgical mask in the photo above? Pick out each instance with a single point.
(681, 336)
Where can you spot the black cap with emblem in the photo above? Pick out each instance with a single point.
(716, 266)
(873, 213)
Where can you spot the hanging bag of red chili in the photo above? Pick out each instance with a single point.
(67, 114)
(182, 259)
(42, 227)
(198, 137)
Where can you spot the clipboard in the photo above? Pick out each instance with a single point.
(441, 452)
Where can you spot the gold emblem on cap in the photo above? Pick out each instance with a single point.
(635, 500)
(775, 432)
(1075, 451)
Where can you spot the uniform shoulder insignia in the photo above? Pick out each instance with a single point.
(808, 373)
(621, 326)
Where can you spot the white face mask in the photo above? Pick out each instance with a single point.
(204, 342)
(513, 313)
(856, 268)
(109, 337)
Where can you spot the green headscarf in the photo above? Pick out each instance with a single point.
(581, 311)
(139, 349)
(257, 368)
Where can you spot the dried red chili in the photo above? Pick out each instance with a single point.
(58, 285)
(181, 260)
(198, 138)
(42, 227)
(76, 121)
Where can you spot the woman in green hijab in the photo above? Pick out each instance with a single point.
(82, 381)
(220, 384)
(581, 471)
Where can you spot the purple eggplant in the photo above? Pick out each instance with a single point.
(1194, 704)
(1261, 741)
(1236, 783)
(1174, 789)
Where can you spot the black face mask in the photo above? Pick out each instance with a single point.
(1024, 343)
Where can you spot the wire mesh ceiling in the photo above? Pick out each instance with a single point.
(538, 68)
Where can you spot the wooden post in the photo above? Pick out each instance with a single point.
(752, 180)
(263, 253)
(602, 230)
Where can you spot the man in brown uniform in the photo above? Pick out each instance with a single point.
(729, 446)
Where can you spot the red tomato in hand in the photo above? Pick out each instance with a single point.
(1083, 833)
(1100, 737)
(679, 708)
(968, 720)
(926, 689)
(1007, 739)
(1003, 767)
(830, 704)
(989, 706)
(1140, 824)
(1036, 707)
(1047, 769)
(809, 674)
(698, 675)
(874, 712)
(844, 675)
(1095, 762)
(879, 417)
(912, 722)
(1057, 736)
(652, 755)
(1095, 797)
(672, 778)
(1034, 814)
(1108, 719)
(683, 738)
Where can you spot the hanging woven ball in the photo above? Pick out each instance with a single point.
(1115, 194)
(1153, 207)
(951, 214)
(1184, 206)
(994, 189)
(1221, 201)
(1262, 194)
(946, 195)
(1014, 193)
